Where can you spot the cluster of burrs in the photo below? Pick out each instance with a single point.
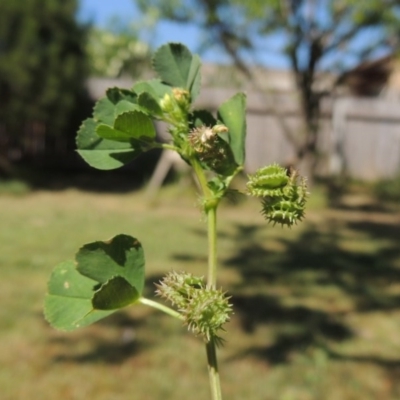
(283, 193)
(205, 310)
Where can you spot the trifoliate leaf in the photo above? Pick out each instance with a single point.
(121, 256)
(68, 303)
(178, 67)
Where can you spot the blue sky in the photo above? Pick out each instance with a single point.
(100, 13)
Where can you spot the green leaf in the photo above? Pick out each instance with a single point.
(129, 127)
(68, 303)
(125, 106)
(115, 95)
(115, 293)
(104, 111)
(108, 132)
(137, 124)
(201, 118)
(149, 103)
(102, 153)
(121, 256)
(107, 276)
(117, 101)
(232, 114)
(154, 87)
(177, 67)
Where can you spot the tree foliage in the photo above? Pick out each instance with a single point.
(42, 64)
(114, 54)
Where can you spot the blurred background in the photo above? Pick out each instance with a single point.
(317, 307)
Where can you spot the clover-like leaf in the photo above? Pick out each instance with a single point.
(232, 114)
(154, 87)
(68, 303)
(107, 276)
(114, 294)
(124, 106)
(149, 103)
(115, 95)
(101, 153)
(178, 67)
(121, 256)
(103, 111)
(137, 124)
(131, 126)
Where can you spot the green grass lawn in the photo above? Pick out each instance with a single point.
(317, 307)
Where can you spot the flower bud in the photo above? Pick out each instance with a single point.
(167, 104)
(182, 98)
(213, 151)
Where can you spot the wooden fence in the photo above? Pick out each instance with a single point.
(359, 136)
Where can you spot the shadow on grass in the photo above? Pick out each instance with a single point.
(320, 265)
(338, 262)
(99, 347)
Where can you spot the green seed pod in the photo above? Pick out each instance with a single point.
(284, 212)
(268, 181)
(207, 312)
(212, 151)
(288, 208)
(177, 287)
(204, 310)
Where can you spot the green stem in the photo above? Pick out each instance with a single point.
(211, 205)
(201, 177)
(213, 370)
(212, 247)
(168, 146)
(211, 284)
(161, 307)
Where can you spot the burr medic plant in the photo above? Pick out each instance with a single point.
(108, 275)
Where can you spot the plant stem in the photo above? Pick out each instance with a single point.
(201, 177)
(211, 210)
(211, 284)
(212, 247)
(213, 370)
(161, 307)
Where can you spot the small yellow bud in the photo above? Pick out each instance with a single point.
(166, 103)
(219, 129)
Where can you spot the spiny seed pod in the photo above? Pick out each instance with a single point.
(268, 181)
(212, 150)
(209, 310)
(177, 287)
(288, 208)
(205, 310)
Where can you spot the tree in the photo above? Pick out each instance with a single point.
(114, 54)
(317, 35)
(42, 67)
